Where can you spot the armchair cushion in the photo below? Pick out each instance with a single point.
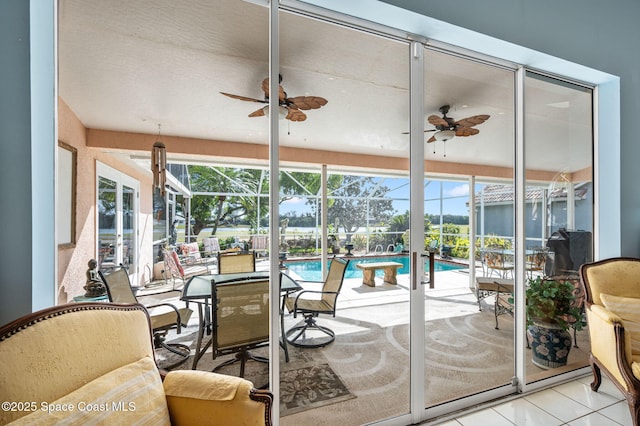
(132, 394)
(628, 309)
(191, 399)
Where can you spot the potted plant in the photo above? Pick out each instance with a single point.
(551, 310)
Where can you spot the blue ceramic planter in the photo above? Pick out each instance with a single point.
(550, 345)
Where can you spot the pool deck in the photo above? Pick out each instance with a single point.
(453, 285)
(355, 294)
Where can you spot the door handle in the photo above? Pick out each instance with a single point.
(414, 263)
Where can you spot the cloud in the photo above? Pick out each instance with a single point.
(458, 191)
(294, 200)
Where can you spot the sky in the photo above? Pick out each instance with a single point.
(454, 194)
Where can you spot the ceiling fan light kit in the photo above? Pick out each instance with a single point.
(290, 108)
(282, 111)
(445, 135)
(447, 128)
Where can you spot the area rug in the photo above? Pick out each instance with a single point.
(307, 381)
(310, 387)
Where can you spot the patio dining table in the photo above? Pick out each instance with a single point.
(198, 290)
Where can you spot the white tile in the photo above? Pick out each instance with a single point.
(449, 423)
(606, 387)
(618, 412)
(593, 419)
(522, 412)
(582, 393)
(484, 418)
(558, 405)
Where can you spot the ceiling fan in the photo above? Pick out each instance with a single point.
(290, 108)
(446, 127)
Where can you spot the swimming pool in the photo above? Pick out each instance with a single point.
(309, 270)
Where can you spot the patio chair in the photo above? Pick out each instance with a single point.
(211, 247)
(612, 294)
(536, 260)
(497, 261)
(311, 308)
(234, 263)
(240, 320)
(164, 316)
(260, 244)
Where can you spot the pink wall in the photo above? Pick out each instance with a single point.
(72, 262)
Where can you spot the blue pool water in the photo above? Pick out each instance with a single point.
(309, 270)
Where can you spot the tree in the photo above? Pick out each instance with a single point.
(234, 196)
(304, 184)
(359, 202)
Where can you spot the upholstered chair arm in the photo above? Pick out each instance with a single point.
(204, 398)
(603, 324)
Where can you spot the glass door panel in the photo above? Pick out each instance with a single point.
(558, 208)
(107, 223)
(117, 212)
(128, 226)
(363, 375)
(469, 133)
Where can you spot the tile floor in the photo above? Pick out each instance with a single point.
(572, 403)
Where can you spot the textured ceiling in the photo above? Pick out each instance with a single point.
(130, 65)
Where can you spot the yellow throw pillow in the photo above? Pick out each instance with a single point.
(132, 394)
(627, 308)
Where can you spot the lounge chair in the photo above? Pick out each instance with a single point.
(176, 269)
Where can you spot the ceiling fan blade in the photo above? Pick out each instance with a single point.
(472, 121)
(243, 98)
(426, 131)
(265, 87)
(307, 102)
(467, 131)
(295, 114)
(431, 139)
(437, 121)
(257, 113)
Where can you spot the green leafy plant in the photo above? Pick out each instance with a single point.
(552, 301)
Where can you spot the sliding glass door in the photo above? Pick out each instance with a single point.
(469, 133)
(349, 160)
